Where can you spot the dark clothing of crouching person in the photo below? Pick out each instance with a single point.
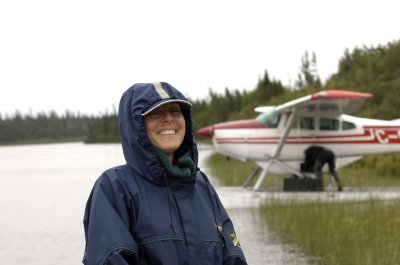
(316, 157)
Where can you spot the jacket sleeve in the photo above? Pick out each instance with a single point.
(106, 223)
(233, 253)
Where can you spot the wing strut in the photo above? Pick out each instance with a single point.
(277, 153)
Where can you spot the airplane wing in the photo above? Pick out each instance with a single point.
(333, 102)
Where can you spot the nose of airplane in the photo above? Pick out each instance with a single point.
(206, 131)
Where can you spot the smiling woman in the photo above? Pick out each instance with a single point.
(165, 127)
(158, 208)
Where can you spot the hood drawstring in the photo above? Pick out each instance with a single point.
(169, 204)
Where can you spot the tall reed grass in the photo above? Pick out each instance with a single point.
(229, 172)
(331, 233)
(340, 233)
(233, 172)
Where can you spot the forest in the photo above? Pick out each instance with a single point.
(45, 127)
(368, 69)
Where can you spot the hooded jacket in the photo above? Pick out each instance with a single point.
(138, 214)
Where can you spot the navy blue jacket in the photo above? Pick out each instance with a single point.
(137, 214)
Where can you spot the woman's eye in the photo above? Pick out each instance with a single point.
(160, 113)
(155, 114)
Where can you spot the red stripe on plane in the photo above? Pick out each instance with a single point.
(380, 136)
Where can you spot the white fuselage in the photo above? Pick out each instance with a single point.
(348, 137)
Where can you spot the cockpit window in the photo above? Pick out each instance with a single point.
(326, 124)
(306, 123)
(271, 119)
(348, 125)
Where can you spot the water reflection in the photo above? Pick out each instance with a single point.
(260, 245)
(43, 193)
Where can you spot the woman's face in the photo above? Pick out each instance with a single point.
(166, 128)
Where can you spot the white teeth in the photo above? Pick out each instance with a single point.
(168, 132)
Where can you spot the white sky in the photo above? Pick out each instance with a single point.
(82, 54)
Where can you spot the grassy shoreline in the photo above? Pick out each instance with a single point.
(351, 233)
(44, 141)
(233, 172)
(354, 233)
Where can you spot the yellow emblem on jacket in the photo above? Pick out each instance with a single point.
(235, 240)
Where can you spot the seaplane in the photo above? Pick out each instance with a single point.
(276, 139)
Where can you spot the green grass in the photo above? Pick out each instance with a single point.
(332, 233)
(340, 233)
(372, 171)
(358, 177)
(230, 172)
(233, 172)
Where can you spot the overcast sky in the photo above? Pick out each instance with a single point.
(82, 54)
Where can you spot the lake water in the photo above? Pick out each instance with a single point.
(43, 192)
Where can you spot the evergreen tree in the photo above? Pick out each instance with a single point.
(308, 76)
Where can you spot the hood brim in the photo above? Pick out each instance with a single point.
(184, 104)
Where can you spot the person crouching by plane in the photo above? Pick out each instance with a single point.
(316, 157)
(158, 208)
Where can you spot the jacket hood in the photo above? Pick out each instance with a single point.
(139, 152)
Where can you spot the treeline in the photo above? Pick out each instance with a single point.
(368, 69)
(44, 127)
(236, 104)
(104, 130)
(375, 70)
